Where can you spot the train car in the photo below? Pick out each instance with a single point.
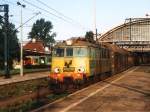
(119, 58)
(76, 61)
(130, 59)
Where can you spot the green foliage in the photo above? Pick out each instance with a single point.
(1, 22)
(89, 36)
(25, 106)
(41, 30)
(13, 43)
(22, 88)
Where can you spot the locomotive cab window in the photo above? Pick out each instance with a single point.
(69, 51)
(80, 51)
(58, 52)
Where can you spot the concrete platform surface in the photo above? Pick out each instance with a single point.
(27, 76)
(125, 92)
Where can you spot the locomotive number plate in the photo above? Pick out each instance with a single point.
(70, 69)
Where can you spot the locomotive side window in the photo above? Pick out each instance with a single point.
(59, 52)
(102, 53)
(69, 51)
(108, 54)
(105, 53)
(92, 53)
(80, 52)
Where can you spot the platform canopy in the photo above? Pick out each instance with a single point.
(133, 34)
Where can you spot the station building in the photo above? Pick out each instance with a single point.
(36, 53)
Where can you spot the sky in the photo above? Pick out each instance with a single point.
(79, 15)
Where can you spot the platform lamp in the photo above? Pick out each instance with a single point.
(21, 43)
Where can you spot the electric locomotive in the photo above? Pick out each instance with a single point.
(77, 60)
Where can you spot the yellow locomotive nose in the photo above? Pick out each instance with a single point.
(61, 77)
(68, 75)
(68, 63)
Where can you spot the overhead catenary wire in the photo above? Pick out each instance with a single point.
(32, 5)
(28, 20)
(18, 22)
(15, 4)
(26, 8)
(53, 9)
(57, 16)
(45, 11)
(44, 4)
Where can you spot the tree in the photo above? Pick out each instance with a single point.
(1, 22)
(41, 30)
(89, 36)
(13, 44)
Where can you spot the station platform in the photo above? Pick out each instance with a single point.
(27, 76)
(125, 92)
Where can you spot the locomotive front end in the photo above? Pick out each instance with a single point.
(70, 63)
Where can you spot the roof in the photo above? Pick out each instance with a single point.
(128, 23)
(77, 42)
(37, 46)
(115, 48)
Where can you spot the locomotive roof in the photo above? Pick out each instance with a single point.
(115, 48)
(78, 42)
(83, 42)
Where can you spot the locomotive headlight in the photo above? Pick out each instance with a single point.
(56, 70)
(80, 70)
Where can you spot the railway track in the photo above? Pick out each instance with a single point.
(44, 97)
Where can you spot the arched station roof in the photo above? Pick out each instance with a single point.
(131, 26)
(134, 34)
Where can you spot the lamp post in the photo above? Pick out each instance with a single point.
(21, 44)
